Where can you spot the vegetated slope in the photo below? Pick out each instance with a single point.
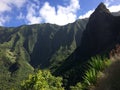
(14, 66)
(102, 33)
(110, 78)
(56, 43)
(46, 45)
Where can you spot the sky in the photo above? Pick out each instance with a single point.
(14, 13)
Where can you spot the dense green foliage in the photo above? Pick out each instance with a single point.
(42, 80)
(78, 86)
(13, 69)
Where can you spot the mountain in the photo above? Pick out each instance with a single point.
(40, 45)
(65, 50)
(101, 35)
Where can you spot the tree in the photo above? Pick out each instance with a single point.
(42, 80)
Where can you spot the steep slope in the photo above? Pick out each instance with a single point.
(110, 79)
(41, 45)
(56, 40)
(101, 35)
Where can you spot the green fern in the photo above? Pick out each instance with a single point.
(97, 63)
(90, 76)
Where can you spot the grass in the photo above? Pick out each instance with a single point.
(90, 76)
(110, 79)
(96, 65)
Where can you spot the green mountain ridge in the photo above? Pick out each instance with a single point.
(40, 45)
(64, 50)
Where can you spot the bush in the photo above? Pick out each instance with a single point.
(42, 80)
(78, 86)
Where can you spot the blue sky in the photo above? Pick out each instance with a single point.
(61, 12)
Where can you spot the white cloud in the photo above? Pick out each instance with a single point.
(32, 17)
(49, 14)
(4, 19)
(112, 5)
(4, 6)
(114, 8)
(7, 6)
(86, 15)
(63, 15)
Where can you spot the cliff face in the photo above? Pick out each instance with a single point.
(28, 46)
(102, 33)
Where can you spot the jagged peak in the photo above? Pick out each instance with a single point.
(102, 7)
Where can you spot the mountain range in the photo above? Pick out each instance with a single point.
(62, 49)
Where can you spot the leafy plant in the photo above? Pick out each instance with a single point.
(42, 80)
(97, 63)
(78, 86)
(90, 76)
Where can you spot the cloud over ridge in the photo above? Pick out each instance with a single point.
(33, 12)
(61, 15)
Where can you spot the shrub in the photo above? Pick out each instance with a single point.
(42, 80)
(78, 86)
(95, 65)
(90, 77)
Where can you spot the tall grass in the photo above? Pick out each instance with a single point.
(90, 76)
(98, 63)
(95, 65)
